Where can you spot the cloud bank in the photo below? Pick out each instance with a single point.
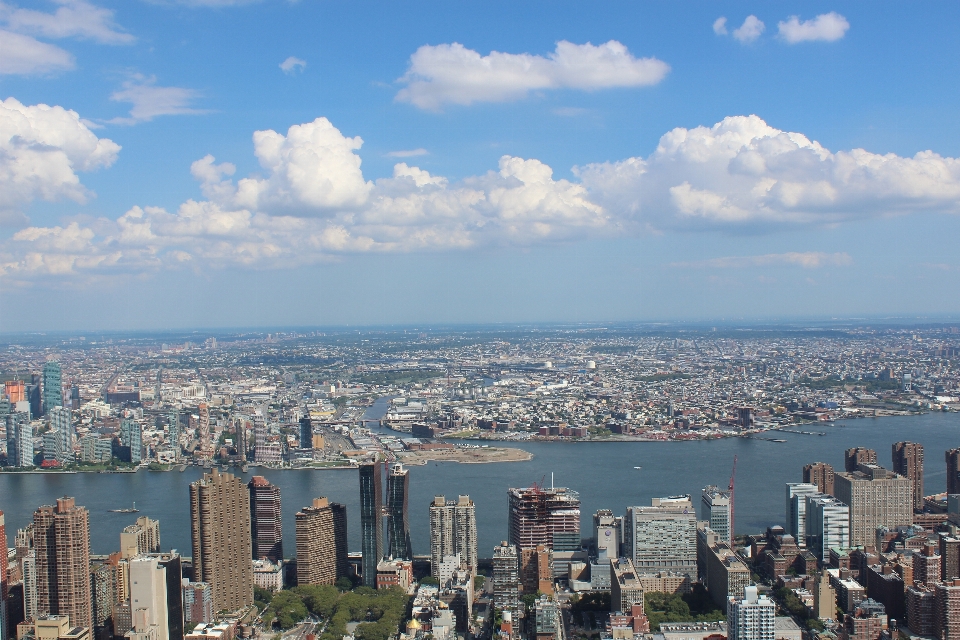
(452, 74)
(827, 27)
(311, 201)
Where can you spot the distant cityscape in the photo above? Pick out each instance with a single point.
(864, 554)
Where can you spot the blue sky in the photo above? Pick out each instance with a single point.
(475, 162)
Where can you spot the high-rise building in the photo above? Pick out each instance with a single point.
(321, 542)
(222, 549)
(19, 440)
(371, 521)
(148, 592)
(131, 435)
(173, 429)
(203, 431)
(927, 564)
(506, 577)
(607, 533)
(820, 474)
(854, 457)
(824, 598)
(752, 617)
(397, 512)
(61, 420)
(662, 537)
(306, 433)
(827, 524)
(52, 389)
(140, 538)
(453, 531)
(796, 511)
(61, 539)
(953, 471)
(947, 622)
(865, 623)
(53, 447)
(908, 462)
(197, 601)
(921, 609)
(949, 557)
(3, 578)
(715, 508)
(266, 528)
(626, 590)
(724, 574)
(241, 437)
(31, 590)
(877, 498)
(537, 514)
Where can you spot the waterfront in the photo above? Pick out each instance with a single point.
(603, 473)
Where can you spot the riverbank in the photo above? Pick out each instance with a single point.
(471, 455)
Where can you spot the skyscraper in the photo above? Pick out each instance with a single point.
(173, 429)
(148, 592)
(306, 433)
(607, 533)
(61, 420)
(715, 508)
(203, 431)
(820, 474)
(266, 528)
(827, 524)
(222, 550)
(953, 470)
(877, 497)
(398, 517)
(322, 542)
(131, 436)
(506, 577)
(52, 389)
(140, 538)
(371, 520)
(61, 538)
(857, 456)
(3, 578)
(908, 462)
(797, 493)
(19, 440)
(453, 530)
(662, 537)
(538, 514)
(751, 617)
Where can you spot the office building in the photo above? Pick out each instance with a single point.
(716, 508)
(662, 537)
(148, 592)
(877, 498)
(397, 512)
(52, 386)
(371, 522)
(61, 420)
(607, 534)
(506, 577)
(725, 573)
(61, 540)
(321, 542)
(222, 549)
(625, 587)
(131, 436)
(820, 474)
(854, 457)
(453, 531)
(751, 617)
(796, 510)
(306, 433)
(827, 524)
(19, 440)
(266, 528)
(538, 514)
(139, 538)
(953, 471)
(908, 462)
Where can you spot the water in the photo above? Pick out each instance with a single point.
(603, 473)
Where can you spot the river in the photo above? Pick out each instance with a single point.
(603, 474)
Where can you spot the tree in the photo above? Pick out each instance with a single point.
(288, 609)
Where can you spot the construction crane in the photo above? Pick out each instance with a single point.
(733, 477)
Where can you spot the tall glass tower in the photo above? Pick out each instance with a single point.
(371, 520)
(398, 520)
(52, 389)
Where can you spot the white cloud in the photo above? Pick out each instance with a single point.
(452, 74)
(25, 55)
(408, 153)
(720, 26)
(742, 173)
(150, 101)
(827, 27)
(41, 150)
(806, 260)
(73, 19)
(750, 30)
(292, 65)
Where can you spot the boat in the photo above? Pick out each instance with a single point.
(638, 468)
(132, 509)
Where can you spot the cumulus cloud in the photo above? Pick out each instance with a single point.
(408, 153)
(41, 150)
(292, 65)
(25, 55)
(311, 200)
(720, 26)
(73, 19)
(452, 74)
(750, 30)
(827, 27)
(150, 101)
(806, 260)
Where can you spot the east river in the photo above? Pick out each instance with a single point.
(603, 473)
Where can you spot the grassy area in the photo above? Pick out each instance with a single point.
(695, 606)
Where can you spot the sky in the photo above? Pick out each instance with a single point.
(226, 163)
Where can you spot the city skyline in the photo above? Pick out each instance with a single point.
(776, 148)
